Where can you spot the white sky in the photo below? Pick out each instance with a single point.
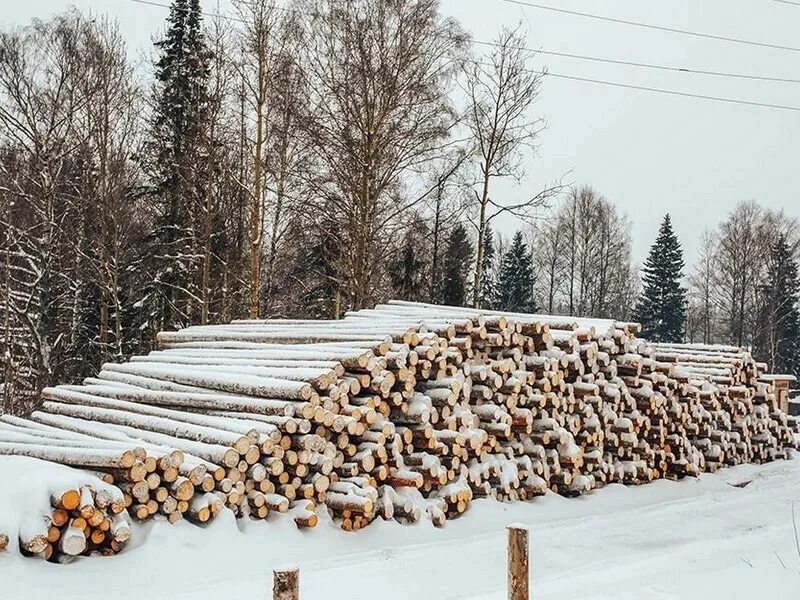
(648, 153)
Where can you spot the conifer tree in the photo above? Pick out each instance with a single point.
(457, 261)
(488, 295)
(662, 307)
(408, 270)
(175, 160)
(515, 285)
(778, 339)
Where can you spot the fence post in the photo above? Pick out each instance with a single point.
(517, 562)
(286, 584)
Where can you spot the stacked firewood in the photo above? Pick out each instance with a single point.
(82, 522)
(401, 411)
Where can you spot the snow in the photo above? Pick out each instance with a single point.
(700, 538)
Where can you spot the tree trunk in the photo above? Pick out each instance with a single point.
(484, 200)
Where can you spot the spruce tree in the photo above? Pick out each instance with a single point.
(488, 295)
(176, 162)
(515, 285)
(457, 261)
(407, 271)
(662, 307)
(778, 336)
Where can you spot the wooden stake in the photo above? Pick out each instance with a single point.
(286, 584)
(517, 562)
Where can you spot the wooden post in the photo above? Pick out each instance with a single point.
(286, 584)
(517, 562)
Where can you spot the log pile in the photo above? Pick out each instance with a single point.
(401, 411)
(57, 513)
(82, 522)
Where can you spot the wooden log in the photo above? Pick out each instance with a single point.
(197, 433)
(66, 455)
(248, 385)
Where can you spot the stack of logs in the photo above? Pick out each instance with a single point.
(82, 522)
(399, 411)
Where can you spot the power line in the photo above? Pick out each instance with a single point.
(576, 78)
(787, 2)
(656, 27)
(676, 93)
(612, 61)
(202, 12)
(648, 65)
(656, 90)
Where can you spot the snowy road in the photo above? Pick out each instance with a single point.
(693, 539)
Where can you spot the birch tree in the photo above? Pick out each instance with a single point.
(501, 92)
(379, 73)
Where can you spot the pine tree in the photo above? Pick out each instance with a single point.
(488, 295)
(662, 307)
(778, 339)
(515, 285)
(457, 261)
(175, 158)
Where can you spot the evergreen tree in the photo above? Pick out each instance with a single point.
(488, 295)
(778, 339)
(175, 159)
(407, 271)
(515, 285)
(662, 307)
(457, 261)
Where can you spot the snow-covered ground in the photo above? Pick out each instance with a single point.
(704, 539)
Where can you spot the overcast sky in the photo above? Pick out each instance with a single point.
(649, 153)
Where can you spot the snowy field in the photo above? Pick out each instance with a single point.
(703, 539)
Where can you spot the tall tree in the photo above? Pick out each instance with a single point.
(662, 306)
(379, 74)
(584, 249)
(489, 285)
(701, 312)
(67, 123)
(445, 206)
(515, 284)
(408, 269)
(456, 267)
(777, 340)
(739, 264)
(501, 91)
(177, 162)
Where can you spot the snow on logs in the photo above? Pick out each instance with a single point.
(58, 513)
(401, 411)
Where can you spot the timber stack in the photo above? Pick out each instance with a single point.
(83, 521)
(401, 411)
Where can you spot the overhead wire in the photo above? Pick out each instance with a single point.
(642, 65)
(597, 59)
(687, 32)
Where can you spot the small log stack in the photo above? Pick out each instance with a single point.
(81, 522)
(402, 411)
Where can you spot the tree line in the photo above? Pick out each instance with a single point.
(298, 161)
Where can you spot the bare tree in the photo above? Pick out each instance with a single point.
(39, 68)
(378, 73)
(739, 261)
(500, 94)
(445, 206)
(288, 156)
(257, 39)
(583, 249)
(701, 320)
